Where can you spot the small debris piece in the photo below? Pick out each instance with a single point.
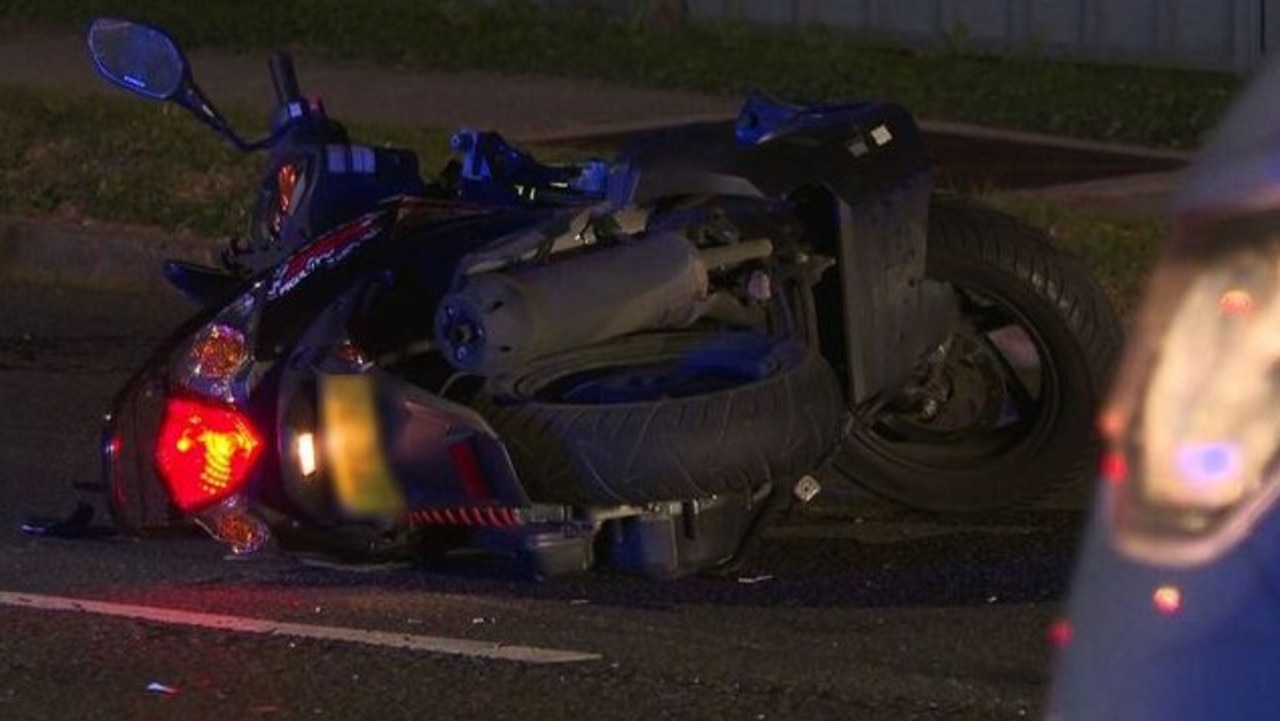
(77, 524)
(806, 488)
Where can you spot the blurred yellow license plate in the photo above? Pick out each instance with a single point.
(353, 447)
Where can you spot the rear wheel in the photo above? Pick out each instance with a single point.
(1003, 412)
(666, 416)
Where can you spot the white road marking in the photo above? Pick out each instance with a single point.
(266, 627)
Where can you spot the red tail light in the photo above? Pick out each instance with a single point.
(205, 452)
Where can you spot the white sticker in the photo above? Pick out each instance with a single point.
(881, 135)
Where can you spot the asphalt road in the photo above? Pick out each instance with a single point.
(852, 610)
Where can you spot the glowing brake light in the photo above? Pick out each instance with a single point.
(205, 452)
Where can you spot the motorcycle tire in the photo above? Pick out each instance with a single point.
(666, 416)
(1030, 428)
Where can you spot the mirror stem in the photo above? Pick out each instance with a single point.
(202, 108)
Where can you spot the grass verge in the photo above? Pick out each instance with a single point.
(129, 161)
(126, 161)
(1160, 107)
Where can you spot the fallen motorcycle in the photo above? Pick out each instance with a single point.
(628, 363)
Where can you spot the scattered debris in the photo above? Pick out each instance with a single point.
(77, 524)
(806, 489)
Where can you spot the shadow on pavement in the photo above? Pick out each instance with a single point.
(1023, 558)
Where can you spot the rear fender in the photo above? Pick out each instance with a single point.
(892, 314)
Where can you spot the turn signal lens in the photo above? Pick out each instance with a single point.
(232, 523)
(218, 353)
(205, 452)
(287, 182)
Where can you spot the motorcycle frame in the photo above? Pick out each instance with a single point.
(869, 162)
(867, 158)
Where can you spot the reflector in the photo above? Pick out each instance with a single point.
(1167, 599)
(205, 452)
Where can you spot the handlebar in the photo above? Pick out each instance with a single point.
(283, 78)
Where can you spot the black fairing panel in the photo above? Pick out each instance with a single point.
(200, 284)
(856, 151)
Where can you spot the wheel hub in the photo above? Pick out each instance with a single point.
(962, 392)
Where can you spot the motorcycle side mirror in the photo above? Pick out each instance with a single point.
(139, 58)
(144, 60)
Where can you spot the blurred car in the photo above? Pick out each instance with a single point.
(1174, 612)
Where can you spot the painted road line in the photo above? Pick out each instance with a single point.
(265, 627)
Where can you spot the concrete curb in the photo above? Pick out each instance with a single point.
(581, 132)
(1143, 196)
(1054, 141)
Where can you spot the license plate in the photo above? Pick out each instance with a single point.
(353, 449)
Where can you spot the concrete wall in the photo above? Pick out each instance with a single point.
(1230, 35)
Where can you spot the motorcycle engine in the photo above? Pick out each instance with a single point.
(497, 321)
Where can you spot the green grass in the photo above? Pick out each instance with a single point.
(128, 161)
(1160, 107)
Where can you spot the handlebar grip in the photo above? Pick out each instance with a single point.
(283, 77)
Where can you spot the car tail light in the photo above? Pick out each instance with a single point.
(1203, 449)
(205, 452)
(1209, 425)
